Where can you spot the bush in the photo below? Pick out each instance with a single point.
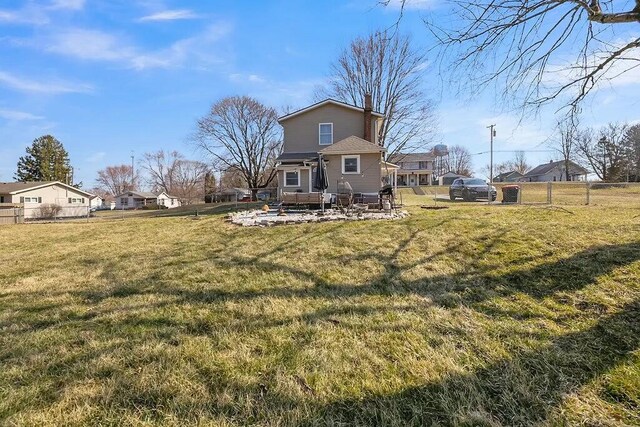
(49, 211)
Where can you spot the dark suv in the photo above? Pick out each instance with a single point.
(471, 189)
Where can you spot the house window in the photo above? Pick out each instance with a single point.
(30, 199)
(423, 165)
(76, 200)
(1, 199)
(326, 133)
(292, 179)
(124, 201)
(350, 164)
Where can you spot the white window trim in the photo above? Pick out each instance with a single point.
(350, 156)
(319, 137)
(297, 171)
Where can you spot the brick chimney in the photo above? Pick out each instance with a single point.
(367, 117)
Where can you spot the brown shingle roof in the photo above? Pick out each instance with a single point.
(325, 102)
(411, 157)
(352, 144)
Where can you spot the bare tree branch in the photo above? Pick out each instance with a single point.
(386, 66)
(241, 133)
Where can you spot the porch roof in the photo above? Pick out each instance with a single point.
(291, 157)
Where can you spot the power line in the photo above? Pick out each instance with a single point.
(514, 151)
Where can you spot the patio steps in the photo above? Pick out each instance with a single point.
(419, 191)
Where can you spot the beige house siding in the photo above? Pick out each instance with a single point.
(369, 180)
(304, 181)
(301, 133)
(52, 194)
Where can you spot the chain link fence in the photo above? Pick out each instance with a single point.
(576, 193)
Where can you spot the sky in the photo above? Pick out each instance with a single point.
(116, 78)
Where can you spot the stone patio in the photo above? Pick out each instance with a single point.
(262, 219)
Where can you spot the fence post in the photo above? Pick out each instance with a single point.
(520, 194)
(588, 193)
(549, 192)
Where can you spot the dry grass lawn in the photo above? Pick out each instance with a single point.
(473, 315)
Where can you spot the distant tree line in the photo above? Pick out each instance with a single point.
(612, 152)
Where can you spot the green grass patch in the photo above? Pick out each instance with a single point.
(474, 315)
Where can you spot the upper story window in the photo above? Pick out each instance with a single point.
(423, 165)
(325, 131)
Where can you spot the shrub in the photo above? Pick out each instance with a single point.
(49, 211)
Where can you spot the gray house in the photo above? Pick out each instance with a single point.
(511, 176)
(414, 168)
(555, 171)
(347, 138)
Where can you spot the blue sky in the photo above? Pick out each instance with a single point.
(110, 76)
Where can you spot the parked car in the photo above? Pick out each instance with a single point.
(471, 189)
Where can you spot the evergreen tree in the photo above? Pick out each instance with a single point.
(46, 160)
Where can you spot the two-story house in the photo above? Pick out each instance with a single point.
(347, 138)
(415, 169)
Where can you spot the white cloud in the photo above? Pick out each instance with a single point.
(242, 78)
(89, 44)
(49, 87)
(170, 15)
(29, 15)
(96, 157)
(95, 45)
(67, 4)
(18, 115)
(412, 4)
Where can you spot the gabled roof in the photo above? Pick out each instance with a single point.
(450, 174)
(548, 167)
(20, 187)
(352, 145)
(411, 157)
(145, 194)
(325, 102)
(507, 174)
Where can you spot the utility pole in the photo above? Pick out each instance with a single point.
(492, 135)
(133, 175)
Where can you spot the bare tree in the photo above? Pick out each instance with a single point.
(232, 178)
(242, 133)
(189, 181)
(116, 180)
(386, 65)
(632, 144)
(539, 49)
(159, 168)
(172, 173)
(519, 162)
(605, 151)
(565, 144)
(459, 160)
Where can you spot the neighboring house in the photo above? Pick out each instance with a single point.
(555, 171)
(96, 202)
(139, 199)
(449, 177)
(37, 197)
(347, 138)
(228, 195)
(414, 168)
(511, 176)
